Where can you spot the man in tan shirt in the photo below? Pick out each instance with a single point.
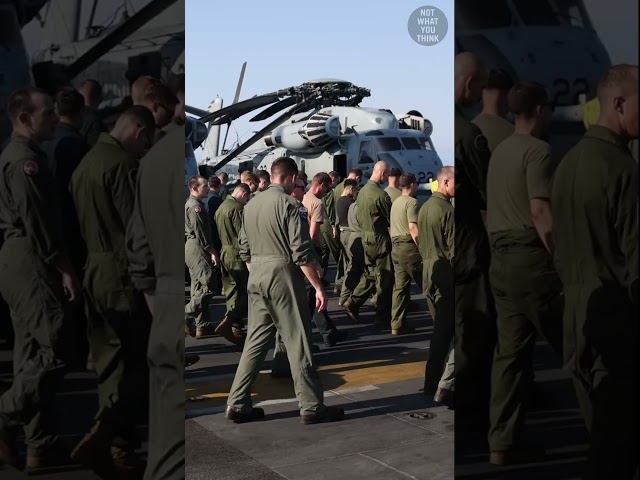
(393, 189)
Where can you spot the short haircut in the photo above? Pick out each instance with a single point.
(242, 186)
(322, 178)
(499, 79)
(195, 181)
(223, 176)
(525, 97)
(333, 174)
(623, 77)
(302, 175)
(156, 91)
(214, 182)
(407, 179)
(21, 101)
(356, 171)
(141, 115)
(356, 191)
(349, 182)
(264, 175)
(284, 167)
(69, 101)
(395, 172)
(445, 173)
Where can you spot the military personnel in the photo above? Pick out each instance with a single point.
(224, 190)
(103, 189)
(594, 204)
(591, 112)
(264, 179)
(177, 87)
(154, 250)
(160, 100)
(234, 272)
(343, 204)
(491, 121)
(64, 154)
(37, 281)
(212, 203)
(407, 262)
(354, 174)
(393, 189)
(200, 255)
(526, 287)
(279, 254)
(475, 317)
(317, 216)
(374, 207)
(251, 180)
(436, 224)
(331, 236)
(92, 125)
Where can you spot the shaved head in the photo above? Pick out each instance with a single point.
(380, 172)
(469, 78)
(446, 181)
(618, 98)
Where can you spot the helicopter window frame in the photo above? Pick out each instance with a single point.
(384, 144)
(411, 143)
(366, 155)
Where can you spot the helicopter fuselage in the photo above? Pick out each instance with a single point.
(362, 137)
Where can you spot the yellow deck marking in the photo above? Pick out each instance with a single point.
(334, 377)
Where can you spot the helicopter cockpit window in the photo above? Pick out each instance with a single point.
(411, 143)
(475, 15)
(572, 14)
(367, 152)
(388, 144)
(426, 143)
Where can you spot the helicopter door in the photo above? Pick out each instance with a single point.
(340, 165)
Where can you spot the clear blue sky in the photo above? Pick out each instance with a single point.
(286, 43)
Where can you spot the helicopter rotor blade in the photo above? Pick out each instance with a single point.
(282, 118)
(239, 109)
(273, 109)
(240, 80)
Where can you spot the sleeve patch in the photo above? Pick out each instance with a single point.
(197, 209)
(30, 168)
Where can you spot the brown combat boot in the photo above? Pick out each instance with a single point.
(352, 310)
(127, 462)
(326, 415)
(225, 330)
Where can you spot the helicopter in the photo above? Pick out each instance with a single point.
(549, 41)
(147, 41)
(324, 129)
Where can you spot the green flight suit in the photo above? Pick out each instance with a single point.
(494, 128)
(526, 287)
(103, 189)
(197, 229)
(356, 271)
(154, 248)
(234, 271)
(393, 192)
(474, 305)
(331, 245)
(374, 207)
(436, 230)
(407, 262)
(32, 288)
(275, 242)
(594, 201)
